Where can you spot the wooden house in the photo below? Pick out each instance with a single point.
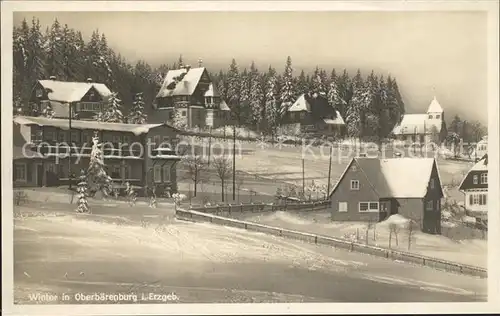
(372, 189)
(475, 187)
(47, 152)
(86, 99)
(192, 92)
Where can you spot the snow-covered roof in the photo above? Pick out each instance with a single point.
(223, 106)
(337, 121)
(481, 165)
(300, 104)
(416, 124)
(137, 129)
(435, 107)
(64, 91)
(186, 86)
(396, 177)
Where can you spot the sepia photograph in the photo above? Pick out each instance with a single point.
(202, 153)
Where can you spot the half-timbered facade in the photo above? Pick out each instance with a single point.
(83, 100)
(192, 93)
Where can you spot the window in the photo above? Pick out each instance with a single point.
(74, 137)
(429, 205)
(157, 140)
(115, 172)
(166, 173)
(127, 140)
(61, 136)
(87, 138)
(50, 167)
(20, 172)
(97, 107)
(438, 116)
(475, 179)
(127, 171)
(342, 206)
(484, 178)
(51, 136)
(116, 139)
(354, 185)
(368, 206)
(37, 136)
(432, 184)
(157, 173)
(184, 113)
(430, 116)
(354, 168)
(477, 199)
(39, 93)
(438, 205)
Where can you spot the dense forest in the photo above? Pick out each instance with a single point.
(370, 104)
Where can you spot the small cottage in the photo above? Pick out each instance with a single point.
(475, 187)
(372, 189)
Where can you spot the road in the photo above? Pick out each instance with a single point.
(204, 263)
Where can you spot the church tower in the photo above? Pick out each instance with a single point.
(435, 111)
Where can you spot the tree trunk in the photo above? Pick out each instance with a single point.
(222, 186)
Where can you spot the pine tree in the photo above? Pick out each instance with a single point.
(113, 112)
(384, 117)
(178, 121)
(324, 82)
(97, 177)
(82, 190)
(394, 102)
(344, 85)
(371, 124)
(333, 96)
(54, 44)
(271, 108)
(222, 85)
(317, 86)
(137, 115)
(287, 91)
(256, 96)
(302, 86)
(180, 62)
(354, 112)
(245, 97)
(234, 92)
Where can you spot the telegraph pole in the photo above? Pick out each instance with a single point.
(303, 179)
(330, 171)
(66, 70)
(234, 162)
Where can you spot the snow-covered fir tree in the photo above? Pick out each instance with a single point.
(98, 179)
(302, 85)
(317, 83)
(234, 91)
(394, 102)
(333, 95)
(54, 45)
(137, 115)
(245, 97)
(48, 111)
(113, 112)
(131, 194)
(371, 126)
(178, 121)
(345, 91)
(256, 96)
(271, 105)
(82, 190)
(354, 112)
(287, 89)
(222, 85)
(384, 115)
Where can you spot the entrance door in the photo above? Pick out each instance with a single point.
(39, 175)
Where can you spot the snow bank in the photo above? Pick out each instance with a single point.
(446, 214)
(469, 219)
(397, 219)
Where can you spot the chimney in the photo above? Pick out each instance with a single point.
(53, 78)
(89, 80)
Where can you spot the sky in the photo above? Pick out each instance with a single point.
(442, 54)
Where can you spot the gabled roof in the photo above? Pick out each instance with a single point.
(188, 81)
(395, 177)
(416, 124)
(481, 165)
(301, 104)
(65, 92)
(212, 91)
(435, 107)
(137, 129)
(337, 121)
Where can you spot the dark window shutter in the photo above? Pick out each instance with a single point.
(470, 200)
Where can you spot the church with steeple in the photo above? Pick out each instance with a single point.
(428, 127)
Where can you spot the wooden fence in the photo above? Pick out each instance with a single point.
(228, 209)
(192, 215)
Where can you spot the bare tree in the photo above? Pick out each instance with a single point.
(223, 169)
(393, 230)
(195, 165)
(411, 229)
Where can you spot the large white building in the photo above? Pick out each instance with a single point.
(428, 127)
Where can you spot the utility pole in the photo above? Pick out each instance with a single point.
(303, 179)
(66, 70)
(329, 171)
(234, 162)
(209, 144)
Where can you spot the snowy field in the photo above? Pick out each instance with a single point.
(471, 251)
(58, 252)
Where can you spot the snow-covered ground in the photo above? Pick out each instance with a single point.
(210, 263)
(467, 251)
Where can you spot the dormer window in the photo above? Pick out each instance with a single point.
(39, 93)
